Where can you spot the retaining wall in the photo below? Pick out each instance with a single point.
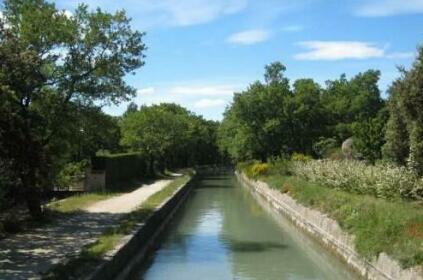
(328, 232)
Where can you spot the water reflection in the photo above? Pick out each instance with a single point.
(223, 232)
(254, 246)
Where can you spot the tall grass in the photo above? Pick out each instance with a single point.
(384, 181)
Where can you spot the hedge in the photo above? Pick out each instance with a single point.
(121, 168)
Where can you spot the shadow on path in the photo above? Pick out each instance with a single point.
(26, 255)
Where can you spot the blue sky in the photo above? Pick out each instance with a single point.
(201, 51)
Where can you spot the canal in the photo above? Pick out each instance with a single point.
(224, 231)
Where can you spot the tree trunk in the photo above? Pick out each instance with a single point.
(151, 166)
(33, 202)
(32, 195)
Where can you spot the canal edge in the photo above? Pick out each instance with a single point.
(327, 232)
(135, 247)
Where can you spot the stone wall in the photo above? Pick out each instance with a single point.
(328, 232)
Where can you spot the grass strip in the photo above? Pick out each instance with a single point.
(79, 202)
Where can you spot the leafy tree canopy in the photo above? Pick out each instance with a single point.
(51, 64)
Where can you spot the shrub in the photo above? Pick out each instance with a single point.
(385, 181)
(244, 165)
(300, 157)
(259, 169)
(279, 166)
(70, 172)
(256, 169)
(325, 147)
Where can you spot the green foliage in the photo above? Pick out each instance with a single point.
(170, 136)
(300, 157)
(351, 101)
(369, 137)
(396, 145)
(274, 74)
(52, 66)
(393, 227)
(270, 119)
(279, 166)
(405, 127)
(308, 116)
(324, 147)
(243, 165)
(256, 124)
(94, 131)
(415, 159)
(256, 170)
(71, 172)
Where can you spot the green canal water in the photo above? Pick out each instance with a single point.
(224, 231)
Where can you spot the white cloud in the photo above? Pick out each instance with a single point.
(68, 13)
(292, 28)
(201, 90)
(168, 12)
(209, 103)
(3, 19)
(146, 91)
(205, 99)
(337, 50)
(401, 55)
(380, 8)
(249, 37)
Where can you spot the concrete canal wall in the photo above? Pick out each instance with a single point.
(328, 232)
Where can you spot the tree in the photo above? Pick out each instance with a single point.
(170, 136)
(94, 131)
(256, 124)
(309, 116)
(274, 73)
(132, 107)
(50, 64)
(396, 147)
(369, 137)
(407, 108)
(270, 119)
(154, 132)
(351, 101)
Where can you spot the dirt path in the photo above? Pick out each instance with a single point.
(127, 202)
(24, 256)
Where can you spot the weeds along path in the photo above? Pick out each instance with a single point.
(26, 255)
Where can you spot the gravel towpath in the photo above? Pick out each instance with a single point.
(26, 255)
(127, 202)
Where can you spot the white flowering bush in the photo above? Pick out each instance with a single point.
(385, 181)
